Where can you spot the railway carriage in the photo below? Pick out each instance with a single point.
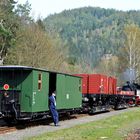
(25, 91)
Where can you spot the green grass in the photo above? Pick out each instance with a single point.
(112, 128)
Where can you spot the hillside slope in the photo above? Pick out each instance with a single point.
(89, 32)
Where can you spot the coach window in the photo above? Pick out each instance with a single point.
(39, 81)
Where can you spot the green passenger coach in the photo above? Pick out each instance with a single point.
(25, 91)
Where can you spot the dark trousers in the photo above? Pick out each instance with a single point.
(54, 115)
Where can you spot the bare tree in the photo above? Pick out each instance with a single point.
(129, 54)
(34, 48)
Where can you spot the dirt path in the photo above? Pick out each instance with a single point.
(34, 131)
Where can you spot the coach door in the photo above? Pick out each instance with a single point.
(60, 91)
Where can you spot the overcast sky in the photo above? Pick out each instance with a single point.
(44, 8)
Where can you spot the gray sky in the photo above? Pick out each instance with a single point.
(43, 8)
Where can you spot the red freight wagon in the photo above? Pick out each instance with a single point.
(84, 82)
(112, 85)
(98, 84)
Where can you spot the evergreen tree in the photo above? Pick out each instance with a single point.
(8, 26)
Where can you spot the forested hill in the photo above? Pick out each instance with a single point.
(89, 32)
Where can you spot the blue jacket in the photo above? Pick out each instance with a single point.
(52, 102)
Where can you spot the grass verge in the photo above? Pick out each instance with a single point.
(112, 128)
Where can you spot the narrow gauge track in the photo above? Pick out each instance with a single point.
(5, 128)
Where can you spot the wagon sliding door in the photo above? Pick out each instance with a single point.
(60, 91)
(68, 94)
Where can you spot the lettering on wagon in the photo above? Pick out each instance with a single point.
(33, 102)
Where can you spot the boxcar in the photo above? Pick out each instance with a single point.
(24, 92)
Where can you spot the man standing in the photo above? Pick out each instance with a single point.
(52, 106)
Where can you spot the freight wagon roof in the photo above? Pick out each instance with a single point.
(16, 67)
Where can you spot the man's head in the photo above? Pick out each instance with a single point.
(128, 82)
(53, 93)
